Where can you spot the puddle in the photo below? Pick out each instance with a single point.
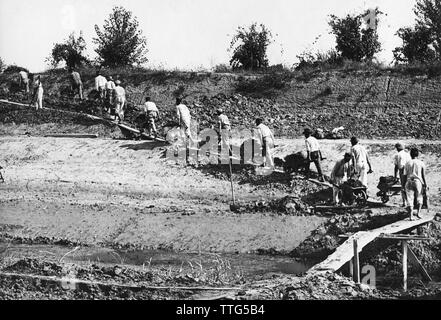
(247, 264)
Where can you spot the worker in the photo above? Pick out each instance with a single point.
(339, 175)
(266, 137)
(313, 153)
(120, 101)
(37, 97)
(400, 159)
(100, 84)
(414, 174)
(360, 161)
(24, 80)
(224, 127)
(184, 117)
(110, 87)
(76, 83)
(152, 114)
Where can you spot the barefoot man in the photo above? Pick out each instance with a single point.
(414, 173)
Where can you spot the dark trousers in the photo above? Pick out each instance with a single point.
(315, 157)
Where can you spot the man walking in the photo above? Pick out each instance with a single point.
(76, 83)
(414, 174)
(360, 160)
(339, 175)
(313, 153)
(400, 160)
(267, 141)
(152, 114)
(120, 101)
(184, 117)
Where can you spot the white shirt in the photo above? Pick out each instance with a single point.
(359, 155)
(413, 169)
(110, 85)
(23, 75)
(224, 121)
(312, 144)
(401, 158)
(264, 131)
(183, 113)
(150, 106)
(100, 82)
(120, 92)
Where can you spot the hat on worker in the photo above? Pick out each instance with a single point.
(110, 78)
(399, 146)
(307, 131)
(219, 111)
(117, 82)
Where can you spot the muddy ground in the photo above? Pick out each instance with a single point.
(125, 196)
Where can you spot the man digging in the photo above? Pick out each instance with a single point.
(339, 175)
(152, 114)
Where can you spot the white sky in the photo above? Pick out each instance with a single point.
(188, 34)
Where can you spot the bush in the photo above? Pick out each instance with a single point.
(2, 65)
(222, 68)
(15, 69)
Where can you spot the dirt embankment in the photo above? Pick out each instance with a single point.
(370, 105)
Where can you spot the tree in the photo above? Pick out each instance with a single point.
(70, 52)
(2, 65)
(249, 47)
(353, 41)
(428, 14)
(120, 43)
(416, 45)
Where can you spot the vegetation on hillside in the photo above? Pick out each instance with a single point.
(71, 52)
(120, 42)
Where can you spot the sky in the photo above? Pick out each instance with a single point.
(189, 34)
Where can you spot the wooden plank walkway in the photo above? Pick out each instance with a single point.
(345, 251)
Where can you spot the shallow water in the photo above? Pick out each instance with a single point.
(247, 264)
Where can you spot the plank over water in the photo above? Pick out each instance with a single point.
(345, 252)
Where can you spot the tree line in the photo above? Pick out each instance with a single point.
(120, 42)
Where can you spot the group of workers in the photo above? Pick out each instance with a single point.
(110, 92)
(354, 164)
(407, 167)
(25, 81)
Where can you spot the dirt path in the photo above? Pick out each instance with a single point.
(116, 192)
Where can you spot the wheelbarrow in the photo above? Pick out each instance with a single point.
(388, 186)
(352, 192)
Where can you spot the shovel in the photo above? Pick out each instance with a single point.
(233, 206)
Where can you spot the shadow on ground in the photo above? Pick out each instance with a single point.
(147, 145)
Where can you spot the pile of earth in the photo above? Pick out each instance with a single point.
(327, 286)
(325, 239)
(389, 261)
(103, 278)
(331, 286)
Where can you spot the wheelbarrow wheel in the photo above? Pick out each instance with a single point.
(385, 198)
(361, 198)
